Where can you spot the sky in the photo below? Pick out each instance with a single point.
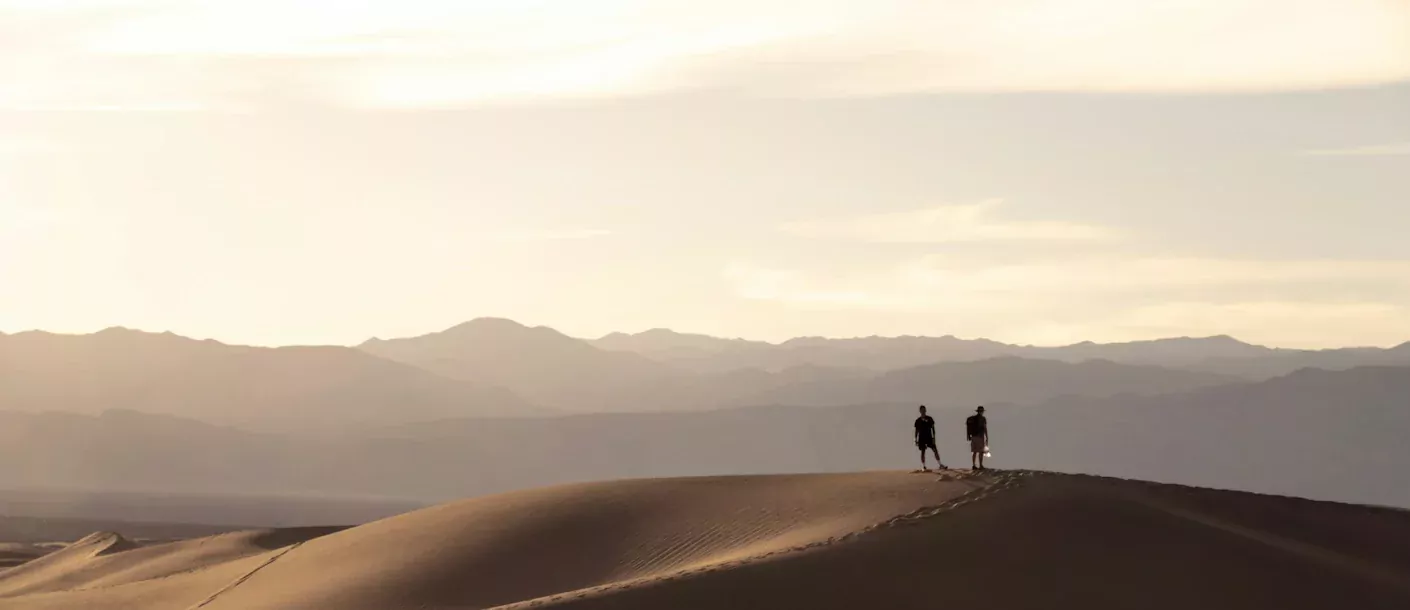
(1031, 171)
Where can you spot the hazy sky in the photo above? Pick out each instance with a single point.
(1035, 171)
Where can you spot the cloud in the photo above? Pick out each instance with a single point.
(944, 224)
(1378, 150)
(441, 52)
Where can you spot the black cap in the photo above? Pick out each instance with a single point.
(980, 409)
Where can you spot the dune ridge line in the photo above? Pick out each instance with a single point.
(994, 481)
(241, 580)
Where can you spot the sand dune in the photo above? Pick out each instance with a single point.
(107, 559)
(869, 540)
(1078, 542)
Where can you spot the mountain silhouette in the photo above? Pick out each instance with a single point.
(262, 388)
(541, 364)
(1336, 435)
(669, 343)
(1005, 379)
(486, 368)
(573, 375)
(1282, 362)
(1218, 354)
(493, 367)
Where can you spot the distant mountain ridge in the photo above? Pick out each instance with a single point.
(262, 388)
(1004, 379)
(1335, 435)
(573, 375)
(493, 367)
(1219, 354)
(659, 340)
(540, 363)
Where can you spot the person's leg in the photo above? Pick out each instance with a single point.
(938, 463)
(922, 458)
(981, 454)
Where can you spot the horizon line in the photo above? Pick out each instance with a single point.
(590, 340)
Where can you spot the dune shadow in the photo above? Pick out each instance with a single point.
(280, 538)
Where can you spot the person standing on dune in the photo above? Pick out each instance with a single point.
(976, 429)
(925, 439)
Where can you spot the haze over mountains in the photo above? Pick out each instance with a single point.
(267, 388)
(492, 405)
(1221, 354)
(1323, 434)
(541, 364)
(496, 367)
(571, 375)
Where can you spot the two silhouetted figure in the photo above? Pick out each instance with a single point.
(925, 439)
(976, 432)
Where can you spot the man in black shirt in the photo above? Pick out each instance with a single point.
(976, 429)
(925, 439)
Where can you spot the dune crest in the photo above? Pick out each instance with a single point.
(104, 543)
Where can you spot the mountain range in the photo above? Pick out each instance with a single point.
(662, 370)
(262, 388)
(1335, 435)
(493, 405)
(1220, 354)
(496, 368)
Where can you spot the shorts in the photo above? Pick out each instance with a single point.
(977, 444)
(925, 443)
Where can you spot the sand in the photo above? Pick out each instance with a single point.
(866, 540)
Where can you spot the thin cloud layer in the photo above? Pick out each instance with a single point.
(948, 223)
(417, 53)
